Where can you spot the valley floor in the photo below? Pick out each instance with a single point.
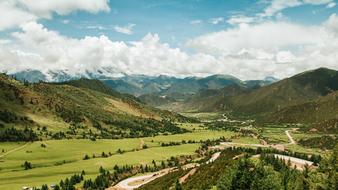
(54, 160)
(62, 158)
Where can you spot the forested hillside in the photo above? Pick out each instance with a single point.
(83, 109)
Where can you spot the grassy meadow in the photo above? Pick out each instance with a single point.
(53, 160)
(62, 158)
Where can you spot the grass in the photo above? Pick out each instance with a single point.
(298, 148)
(53, 124)
(197, 136)
(275, 134)
(63, 158)
(6, 146)
(12, 175)
(246, 140)
(203, 115)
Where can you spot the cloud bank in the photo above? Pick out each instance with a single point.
(252, 51)
(16, 12)
(249, 49)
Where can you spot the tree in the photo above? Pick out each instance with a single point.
(57, 187)
(27, 165)
(86, 157)
(178, 186)
(44, 187)
(265, 178)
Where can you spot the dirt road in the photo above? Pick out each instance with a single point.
(290, 137)
(135, 182)
(138, 181)
(13, 150)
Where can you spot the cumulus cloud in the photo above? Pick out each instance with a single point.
(128, 29)
(16, 12)
(216, 20)
(65, 21)
(268, 35)
(276, 6)
(36, 47)
(272, 48)
(240, 19)
(331, 5)
(194, 22)
(253, 51)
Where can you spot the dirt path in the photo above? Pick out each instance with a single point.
(213, 157)
(298, 163)
(186, 176)
(141, 143)
(287, 132)
(242, 144)
(138, 181)
(13, 150)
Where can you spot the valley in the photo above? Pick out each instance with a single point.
(82, 134)
(168, 95)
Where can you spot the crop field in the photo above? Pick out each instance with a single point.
(246, 140)
(54, 160)
(65, 157)
(203, 115)
(275, 134)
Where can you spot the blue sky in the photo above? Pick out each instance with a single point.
(172, 19)
(245, 38)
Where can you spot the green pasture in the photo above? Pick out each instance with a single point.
(63, 158)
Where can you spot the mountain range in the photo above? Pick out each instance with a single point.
(138, 85)
(307, 97)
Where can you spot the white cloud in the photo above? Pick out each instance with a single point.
(10, 16)
(96, 27)
(252, 51)
(276, 6)
(275, 48)
(285, 57)
(268, 35)
(16, 12)
(332, 23)
(36, 47)
(194, 22)
(65, 21)
(216, 20)
(125, 29)
(240, 19)
(331, 5)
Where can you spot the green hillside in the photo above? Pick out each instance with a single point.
(308, 97)
(81, 109)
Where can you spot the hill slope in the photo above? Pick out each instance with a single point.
(85, 106)
(307, 97)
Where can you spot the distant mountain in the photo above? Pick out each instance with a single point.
(307, 97)
(209, 100)
(298, 89)
(138, 85)
(30, 75)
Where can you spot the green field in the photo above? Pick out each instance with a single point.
(275, 134)
(62, 158)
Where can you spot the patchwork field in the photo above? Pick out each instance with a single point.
(54, 160)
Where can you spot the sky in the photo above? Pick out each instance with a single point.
(244, 38)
